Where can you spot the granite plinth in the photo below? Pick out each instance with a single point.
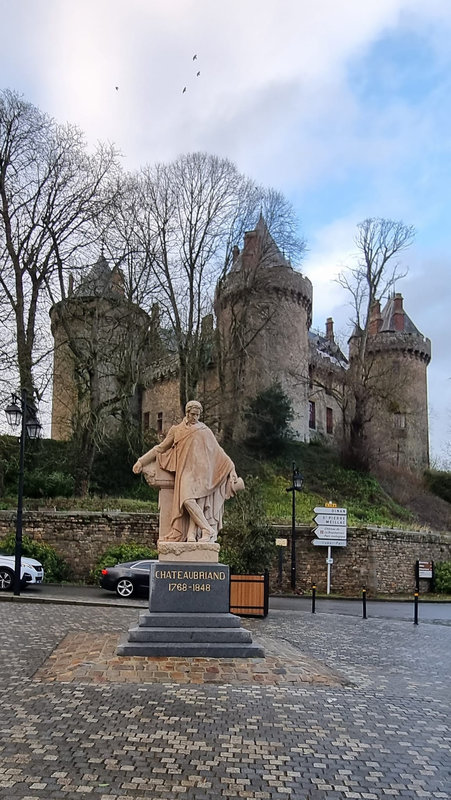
(186, 620)
(189, 587)
(191, 650)
(183, 620)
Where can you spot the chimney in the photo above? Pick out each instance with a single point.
(330, 330)
(398, 312)
(375, 318)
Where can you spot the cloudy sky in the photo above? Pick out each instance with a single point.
(343, 106)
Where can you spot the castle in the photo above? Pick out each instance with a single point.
(260, 334)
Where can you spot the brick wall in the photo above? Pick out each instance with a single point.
(381, 560)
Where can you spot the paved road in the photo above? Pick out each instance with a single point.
(385, 734)
(428, 611)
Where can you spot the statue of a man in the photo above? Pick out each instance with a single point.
(205, 477)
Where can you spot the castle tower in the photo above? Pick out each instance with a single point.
(399, 354)
(263, 310)
(100, 340)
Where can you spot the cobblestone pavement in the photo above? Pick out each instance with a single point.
(383, 733)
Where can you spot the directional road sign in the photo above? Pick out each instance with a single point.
(329, 542)
(331, 531)
(332, 511)
(327, 519)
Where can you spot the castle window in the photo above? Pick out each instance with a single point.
(146, 418)
(399, 420)
(312, 415)
(160, 422)
(329, 420)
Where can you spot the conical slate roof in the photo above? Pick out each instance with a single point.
(389, 315)
(101, 281)
(273, 257)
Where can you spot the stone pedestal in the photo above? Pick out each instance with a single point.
(174, 552)
(189, 615)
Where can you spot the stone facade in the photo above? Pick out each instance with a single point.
(262, 334)
(381, 560)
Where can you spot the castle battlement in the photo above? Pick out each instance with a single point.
(410, 344)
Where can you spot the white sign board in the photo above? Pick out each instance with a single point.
(329, 519)
(424, 569)
(281, 542)
(329, 542)
(335, 512)
(327, 531)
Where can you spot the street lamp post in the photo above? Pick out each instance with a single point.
(296, 486)
(20, 413)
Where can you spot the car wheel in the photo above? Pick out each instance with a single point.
(125, 587)
(6, 579)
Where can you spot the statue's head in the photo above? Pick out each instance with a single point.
(193, 410)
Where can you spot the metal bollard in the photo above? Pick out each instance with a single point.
(415, 609)
(313, 598)
(364, 602)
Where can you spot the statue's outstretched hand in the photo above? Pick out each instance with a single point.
(137, 468)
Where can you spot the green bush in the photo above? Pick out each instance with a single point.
(268, 418)
(56, 569)
(247, 540)
(442, 577)
(120, 553)
(39, 483)
(439, 483)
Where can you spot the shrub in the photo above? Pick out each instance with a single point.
(56, 569)
(442, 577)
(439, 483)
(119, 553)
(39, 483)
(268, 418)
(247, 540)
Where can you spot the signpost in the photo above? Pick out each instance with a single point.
(331, 531)
(280, 544)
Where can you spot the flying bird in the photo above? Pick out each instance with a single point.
(194, 56)
(198, 73)
(117, 88)
(184, 90)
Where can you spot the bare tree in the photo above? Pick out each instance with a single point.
(379, 243)
(51, 193)
(189, 215)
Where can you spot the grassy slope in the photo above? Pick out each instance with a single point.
(324, 481)
(397, 501)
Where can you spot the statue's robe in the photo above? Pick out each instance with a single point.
(201, 472)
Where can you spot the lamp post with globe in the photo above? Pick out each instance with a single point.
(20, 413)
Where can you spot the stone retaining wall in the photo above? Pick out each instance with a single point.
(80, 537)
(382, 560)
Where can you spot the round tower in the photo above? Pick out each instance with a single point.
(100, 339)
(398, 355)
(263, 310)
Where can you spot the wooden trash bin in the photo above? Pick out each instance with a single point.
(249, 595)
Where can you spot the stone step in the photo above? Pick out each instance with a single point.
(202, 635)
(170, 620)
(191, 649)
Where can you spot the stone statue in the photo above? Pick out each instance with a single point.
(204, 477)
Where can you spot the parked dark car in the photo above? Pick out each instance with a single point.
(127, 579)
